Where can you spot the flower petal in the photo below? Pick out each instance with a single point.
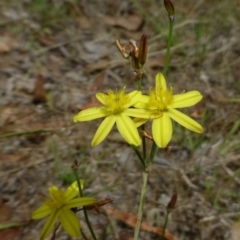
(70, 222)
(142, 102)
(41, 212)
(139, 121)
(90, 114)
(160, 82)
(128, 130)
(49, 224)
(55, 193)
(103, 130)
(77, 202)
(186, 99)
(162, 130)
(139, 113)
(72, 191)
(185, 121)
(101, 97)
(133, 98)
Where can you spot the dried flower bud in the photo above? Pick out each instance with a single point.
(170, 9)
(121, 49)
(75, 165)
(143, 48)
(172, 202)
(135, 62)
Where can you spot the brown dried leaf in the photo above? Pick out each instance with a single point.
(12, 158)
(11, 234)
(128, 22)
(46, 40)
(235, 231)
(4, 47)
(5, 213)
(39, 94)
(98, 83)
(100, 64)
(131, 221)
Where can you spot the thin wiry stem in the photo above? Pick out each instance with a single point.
(141, 204)
(84, 209)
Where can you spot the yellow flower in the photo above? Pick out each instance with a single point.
(116, 109)
(59, 206)
(162, 104)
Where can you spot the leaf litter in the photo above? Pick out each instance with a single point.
(76, 56)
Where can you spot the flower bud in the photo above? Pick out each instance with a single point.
(170, 9)
(172, 202)
(143, 48)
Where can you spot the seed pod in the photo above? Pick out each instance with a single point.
(170, 8)
(172, 202)
(143, 48)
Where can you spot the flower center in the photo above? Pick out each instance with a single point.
(160, 99)
(57, 200)
(116, 102)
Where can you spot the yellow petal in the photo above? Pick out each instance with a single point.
(41, 212)
(77, 202)
(101, 97)
(186, 99)
(133, 98)
(139, 113)
(103, 130)
(72, 191)
(142, 101)
(139, 121)
(162, 130)
(49, 224)
(69, 222)
(55, 193)
(128, 130)
(160, 82)
(185, 121)
(90, 114)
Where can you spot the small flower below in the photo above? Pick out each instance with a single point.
(59, 206)
(161, 105)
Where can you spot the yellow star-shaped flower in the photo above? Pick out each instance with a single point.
(161, 105)
(115, 109)
(59, 206)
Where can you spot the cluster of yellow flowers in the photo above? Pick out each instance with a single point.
(128, 111)
(131, 110)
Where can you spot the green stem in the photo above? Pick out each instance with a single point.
(154, 146)
(166, 64)
(144, 144)
(139, 155)
(142, 159)
(84, 209)
(142, 200)
(153, 152)
(139, 82)
(165, 225)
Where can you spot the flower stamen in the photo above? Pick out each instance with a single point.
(115, 102)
